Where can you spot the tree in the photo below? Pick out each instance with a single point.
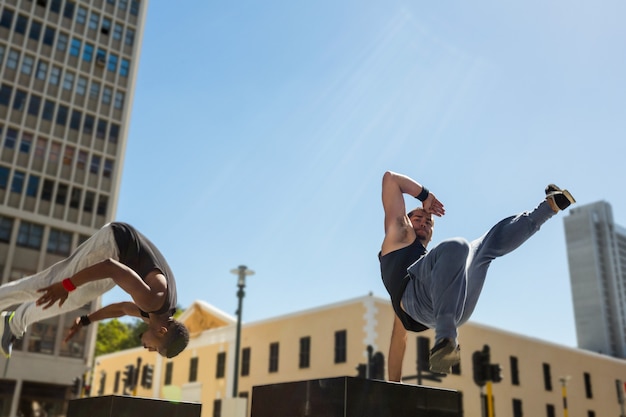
(114, 335)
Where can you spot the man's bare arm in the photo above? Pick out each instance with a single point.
(396, 350)
(107, 312)
(145, 297)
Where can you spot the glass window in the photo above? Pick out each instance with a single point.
(124, 66)
(75, 198)
(20, 24)
(42, 336)
(193, 366)
(101, 129)
(61, 194)
(119, 100)
(2, 49)
(112, 66)
(68, 156)
(106, 26)
(41, 147)
(75, 120)
(114, 133)
(11, 138)
(55, 152)
(62, 42)
(27, 64)
(17, 184)
(101, 57)
(245, 361)
(34, 105)
(89, 200)
(26, 142)
(48, 110)
(94, 168)
(33, 186)
(123, 4)
(55, 6)
(94, 91)
(305, 352)
(340, 346)
(62, 115)
(19, 101)
(108, 168)
(88, 52)
(169, 370)
(59, 242)
(106, 95)
(12, 59)
(6, 225)
(88, 124)
(81, 86)
(30, 235)
(48, 36)
(81, 15)
(75, 47)
(46, 190)
(35, 30)
(274, 351)
(134, 7)
(4, 177)
(42, 70)
(94, 21)
(130, 37)
(81, 162)
(68, 81)
(68, 11)
(220, 366)
(117, 32)
(5, 95)
(7, 18)
(55, 75)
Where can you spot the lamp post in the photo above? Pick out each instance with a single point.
(564, 380)
(241, 272)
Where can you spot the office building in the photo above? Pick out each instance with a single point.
(338, 339)
(67, 74)
(596, 252)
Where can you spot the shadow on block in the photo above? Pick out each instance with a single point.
(353, 397)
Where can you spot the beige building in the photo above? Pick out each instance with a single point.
(67, 75)
(333, 340)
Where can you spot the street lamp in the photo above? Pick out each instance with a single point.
(241, 272)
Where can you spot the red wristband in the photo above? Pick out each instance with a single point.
(68, 285)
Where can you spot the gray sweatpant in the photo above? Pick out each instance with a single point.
(97, 248)
(446, 282)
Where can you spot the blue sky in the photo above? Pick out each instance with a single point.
(261, 130)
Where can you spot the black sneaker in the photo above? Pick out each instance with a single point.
(557, 198)
(6, 337)
(444, 355)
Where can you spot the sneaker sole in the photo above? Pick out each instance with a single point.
(443, 360)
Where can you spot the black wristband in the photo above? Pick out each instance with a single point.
(84, 320)
(423, 195)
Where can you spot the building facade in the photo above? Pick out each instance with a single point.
(67, 74)
(596, 252)
(334, 340)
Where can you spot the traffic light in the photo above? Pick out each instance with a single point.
(495, 372)
(377, 366)
(480, 365)
(146, 376)
(129, 376)
(76, 386)
(423, 353)
(361, 370)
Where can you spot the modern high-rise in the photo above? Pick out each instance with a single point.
(67, 75)
(596, 251)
